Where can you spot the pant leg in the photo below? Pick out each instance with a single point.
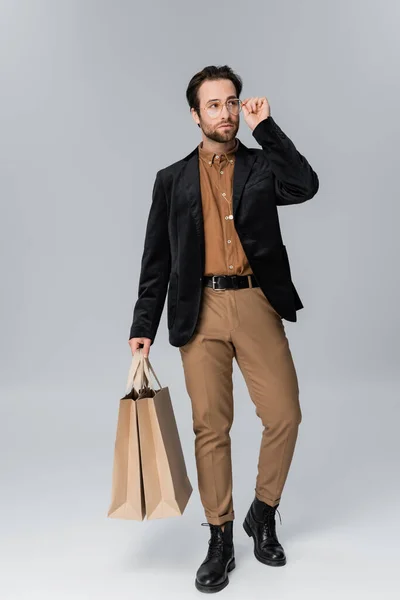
(208, 365)
(265, 360)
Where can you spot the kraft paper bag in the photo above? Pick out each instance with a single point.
(127, 495)
(167, 488)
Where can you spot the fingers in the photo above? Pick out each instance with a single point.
(253, 104)
(134, 343)
(146, 347)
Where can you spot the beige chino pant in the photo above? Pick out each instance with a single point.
(240, 324)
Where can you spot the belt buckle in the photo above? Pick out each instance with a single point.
(213, 285)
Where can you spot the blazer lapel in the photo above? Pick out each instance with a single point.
(244, 161)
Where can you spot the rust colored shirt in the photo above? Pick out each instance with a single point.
(224, 254)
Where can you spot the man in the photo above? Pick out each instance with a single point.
(213, 235)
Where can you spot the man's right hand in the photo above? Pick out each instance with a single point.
(135, 343)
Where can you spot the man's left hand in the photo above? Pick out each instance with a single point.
(255, 109)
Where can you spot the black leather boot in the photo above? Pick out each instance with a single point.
(260, 524)
(212, 575)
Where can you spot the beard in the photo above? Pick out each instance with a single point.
(217, 134)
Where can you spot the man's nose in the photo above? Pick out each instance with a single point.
(225, 112)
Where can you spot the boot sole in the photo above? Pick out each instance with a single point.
(266, 561)
(216, 588)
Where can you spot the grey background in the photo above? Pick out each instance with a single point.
(92, 105)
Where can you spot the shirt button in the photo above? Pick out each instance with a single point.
(226, 217)
(217, 156)
(230, 217)
(221, 172)
(231, 266)
(223, 193)
(209, 162)
(229, 241)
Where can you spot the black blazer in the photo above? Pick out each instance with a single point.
(263, 178)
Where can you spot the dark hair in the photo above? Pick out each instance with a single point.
(211, 72)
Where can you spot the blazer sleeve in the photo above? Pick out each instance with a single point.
(294, 179)
(155, 268)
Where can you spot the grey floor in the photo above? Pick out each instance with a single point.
(340, 518)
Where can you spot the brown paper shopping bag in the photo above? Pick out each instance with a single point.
(127, 495)
(167, 488)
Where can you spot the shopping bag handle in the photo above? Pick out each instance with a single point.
(133, 373)
(148, 369)
(140, 372)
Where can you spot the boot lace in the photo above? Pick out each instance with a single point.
(216, 542)
(269, 521)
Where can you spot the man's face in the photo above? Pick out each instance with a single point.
(217, 90)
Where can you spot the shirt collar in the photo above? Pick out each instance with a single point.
(210, 156)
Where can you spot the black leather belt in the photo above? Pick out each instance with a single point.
(223, 282)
